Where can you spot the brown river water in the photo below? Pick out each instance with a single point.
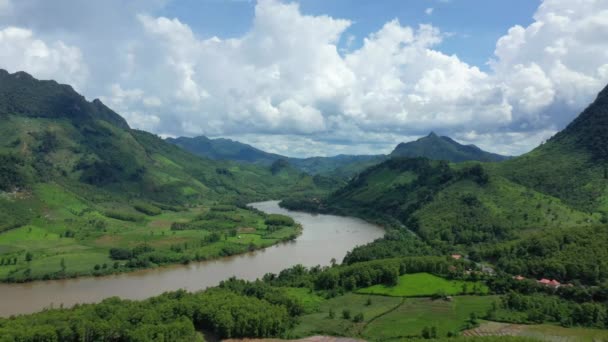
(323, 237)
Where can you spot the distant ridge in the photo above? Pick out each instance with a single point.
(437, 147)
(226, 149)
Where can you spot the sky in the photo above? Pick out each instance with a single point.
(322, 77)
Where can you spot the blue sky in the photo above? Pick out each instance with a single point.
(474, 25)
(322, 77)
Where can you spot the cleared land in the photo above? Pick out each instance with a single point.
(541, 332)
(416, 314)
(425, 285)
(320, 323)
(387, 318)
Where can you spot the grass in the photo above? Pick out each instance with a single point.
(319, 323)
(310, 301)
(424, 285)
(81, 233)
(387, 318)
(409, 319)
(538, 332)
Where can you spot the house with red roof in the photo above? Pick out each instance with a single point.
(519, 277)
(552, 283)
(456, 256)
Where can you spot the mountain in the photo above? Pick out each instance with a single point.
(224, 149)
(573, 164)
(55, 144)
(340, 166)
(23, 95)
(470, 206)
(443, 148)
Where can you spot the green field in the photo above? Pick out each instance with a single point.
(542, 332)
(74, 236)
(425, 285)
(309, 300)
(387, 318)
(409, 319)
(320, 323)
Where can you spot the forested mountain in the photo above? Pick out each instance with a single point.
(224, 149)
(341, 166)
(470, 206)
(50, 136)
(443, 148)
(573, 165)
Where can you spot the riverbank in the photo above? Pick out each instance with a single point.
(323, 238)
(105, 246)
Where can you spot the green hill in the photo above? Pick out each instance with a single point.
(471, 206)
(443, 148)
(75, 180)
(573, 165)
(224, 149)
(340, 166)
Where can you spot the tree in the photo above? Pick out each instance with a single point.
(28, 256)
(369, 301)
(332, 314)
(346, 314)
(62, 264)
(358, 318)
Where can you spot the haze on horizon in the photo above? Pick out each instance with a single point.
(311, 77)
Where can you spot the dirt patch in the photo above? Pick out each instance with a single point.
(246, 230)
(507, 329)
(107, 240)
(160, 224)
(168, 241)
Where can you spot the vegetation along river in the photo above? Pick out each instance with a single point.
(323, 237)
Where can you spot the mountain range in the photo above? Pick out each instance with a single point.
(432, 147)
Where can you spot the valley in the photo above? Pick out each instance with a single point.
(165, 245)
(321, 239)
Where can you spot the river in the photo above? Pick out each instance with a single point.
(323, 237)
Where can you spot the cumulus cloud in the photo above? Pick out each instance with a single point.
(429, 11)
(555, 63)
(285, 85)
(20, 50)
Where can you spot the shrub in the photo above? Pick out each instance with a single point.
(120, 254)
(346, 314)
(279, 220)
(358, 318)
(123, 216)
(147, 209)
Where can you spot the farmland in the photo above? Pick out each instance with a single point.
(425, 285)
(75, 238)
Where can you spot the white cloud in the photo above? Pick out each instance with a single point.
(556, 62)
(429, 11)
(20, 50)
(285, 80)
